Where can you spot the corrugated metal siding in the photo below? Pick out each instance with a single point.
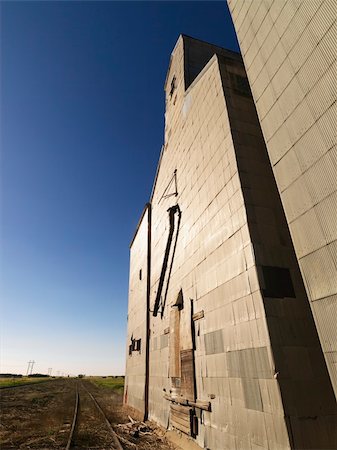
(289, 50)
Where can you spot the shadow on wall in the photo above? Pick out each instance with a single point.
(174, 230)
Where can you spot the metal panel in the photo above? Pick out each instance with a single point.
(297, 79)
(164, 341)
(252, 395)
(214, 342)
(249, 363)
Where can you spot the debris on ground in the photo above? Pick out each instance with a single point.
(137, 434)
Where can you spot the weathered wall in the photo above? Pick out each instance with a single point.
(289, 51)
(257, 357)
(228, 199)
(213, 263)
(134, 390)
(300, 368)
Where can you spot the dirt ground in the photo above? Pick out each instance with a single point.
(39, 416)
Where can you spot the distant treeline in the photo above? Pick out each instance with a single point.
(38, 375)
(10, 375)
(113, 376)
(15, 375)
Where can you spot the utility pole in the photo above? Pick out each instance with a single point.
(29, 363)
(31, 369)
(49, 371)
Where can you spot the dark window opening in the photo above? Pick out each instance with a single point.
(173, 86)
(180, 300)
(135, 346)
(240, 84)
(140, 274)
(277, 282)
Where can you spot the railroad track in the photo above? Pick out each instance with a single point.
(115, 444)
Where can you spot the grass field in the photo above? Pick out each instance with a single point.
(9, 382)
(113, 383)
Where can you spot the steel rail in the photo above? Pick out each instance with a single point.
(116, 442)
(113, 433)
(70, 438)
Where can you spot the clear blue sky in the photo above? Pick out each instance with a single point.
(82, 118)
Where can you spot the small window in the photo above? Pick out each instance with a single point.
(277, 282)
(140, 274)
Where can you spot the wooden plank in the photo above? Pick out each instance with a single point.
(181, 427)
(183, 401)
(201, 405)
(182, 415)
(182, 409)
(198, 315)
(186, 422)
(187, 374)
(174, 344)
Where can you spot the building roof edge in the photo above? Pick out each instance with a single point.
(146, 207)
